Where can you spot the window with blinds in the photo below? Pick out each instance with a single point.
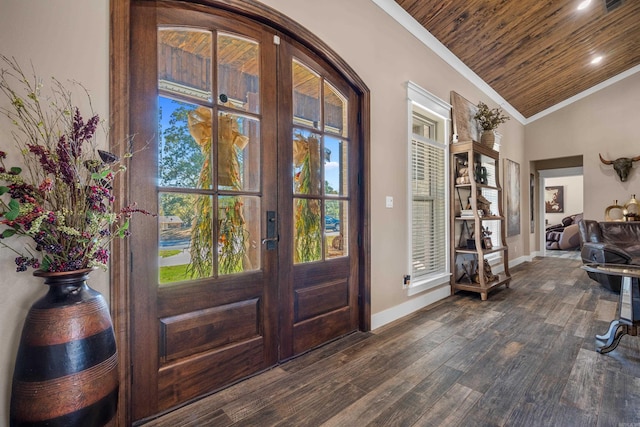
(428, 200)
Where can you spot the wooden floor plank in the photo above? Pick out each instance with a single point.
(407, 410)
(538, 401)
(620, 398)
(586, 372)
(579, 322)
(525, 357)
(497, 403)
(367, 408)
(560, 316)
(451, 408)
(606, 310)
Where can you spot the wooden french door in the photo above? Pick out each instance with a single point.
(251, 159)
(318, 269)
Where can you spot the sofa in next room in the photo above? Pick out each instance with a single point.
(564, 236)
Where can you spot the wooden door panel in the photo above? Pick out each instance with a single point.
(226, 290)
(324, 303)
(198, 331)
(321, 329)
(320, 299)
(187, 378)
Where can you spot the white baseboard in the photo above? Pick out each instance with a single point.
(406, 308)
(520, 260)
(430, 297)
(536, 253)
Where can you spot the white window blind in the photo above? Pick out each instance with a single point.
(428, 211)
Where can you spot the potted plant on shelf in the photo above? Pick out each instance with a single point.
(489, 119)
(57, 216)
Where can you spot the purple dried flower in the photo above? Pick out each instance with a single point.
(102, 256)
(53, 248)
(44, 157)
(64, 162)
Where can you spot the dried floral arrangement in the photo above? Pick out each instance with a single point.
(59, 209)
(488, 118)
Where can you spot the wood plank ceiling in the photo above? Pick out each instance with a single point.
(535, 53)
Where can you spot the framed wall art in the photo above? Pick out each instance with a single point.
(465, 127)
(532, 211)
(554, 199)
(512, 184)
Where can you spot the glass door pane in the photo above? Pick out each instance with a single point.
(209, 156)
(320, 167)
(238, 73)
(184, 62)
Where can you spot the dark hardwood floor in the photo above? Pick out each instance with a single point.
(525, 357)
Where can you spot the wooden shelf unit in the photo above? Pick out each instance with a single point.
(466, 261)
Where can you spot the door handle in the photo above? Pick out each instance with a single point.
(272, 231)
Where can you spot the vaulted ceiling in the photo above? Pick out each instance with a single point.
(535, 53)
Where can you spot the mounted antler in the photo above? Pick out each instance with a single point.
(622, 166)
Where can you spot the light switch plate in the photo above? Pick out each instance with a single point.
(389, 202)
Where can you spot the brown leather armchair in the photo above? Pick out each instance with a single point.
(609, 243)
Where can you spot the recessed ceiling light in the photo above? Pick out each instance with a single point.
(584, 4)
(596, 60)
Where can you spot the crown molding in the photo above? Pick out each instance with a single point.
(410, 24)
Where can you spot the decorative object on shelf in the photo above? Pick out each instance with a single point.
(487, 243)
(614, 212)
(622, 166)
(468, 268)
(486, 271)
(59, 211)
(489, 119)
(481, 176)
(484, 205)
(491, 139)
(462, 173)
(465, 127)
(512, 181)
(66, 371)
(631, 210)
(485, 239)
(554, 199)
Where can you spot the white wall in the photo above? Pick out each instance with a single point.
(67, 39)
(604, 122)
(573, 189)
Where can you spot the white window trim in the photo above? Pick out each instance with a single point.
(441, 109)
